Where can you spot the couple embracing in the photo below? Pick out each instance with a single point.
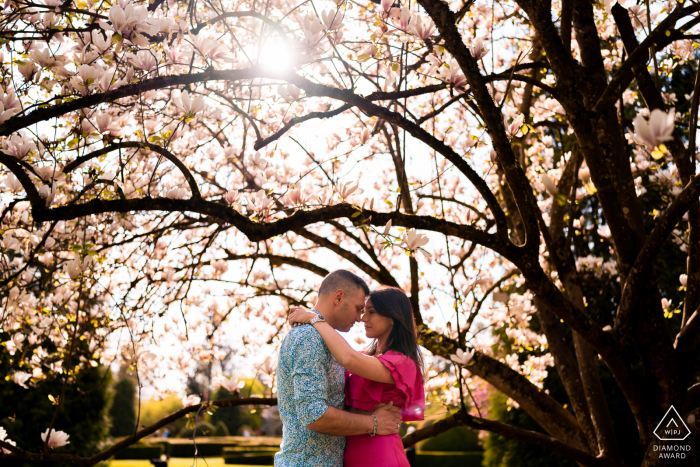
(340, 407)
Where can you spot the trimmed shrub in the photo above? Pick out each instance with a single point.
(141, 451)
(250, 455)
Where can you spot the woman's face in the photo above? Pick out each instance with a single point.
(376, 325)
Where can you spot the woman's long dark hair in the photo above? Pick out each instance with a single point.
(393, 303)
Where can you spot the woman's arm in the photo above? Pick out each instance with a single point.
(360, 364)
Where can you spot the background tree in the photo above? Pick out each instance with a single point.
(123, 408)
(171, 181)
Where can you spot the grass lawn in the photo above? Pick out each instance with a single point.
(176, 462)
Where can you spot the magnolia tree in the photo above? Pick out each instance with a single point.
(172, 167)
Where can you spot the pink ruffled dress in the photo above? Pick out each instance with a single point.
(363, 394)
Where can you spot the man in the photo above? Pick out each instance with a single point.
(311, 384)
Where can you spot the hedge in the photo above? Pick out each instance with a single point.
(250, 455)
(141, 451)
(206, 446)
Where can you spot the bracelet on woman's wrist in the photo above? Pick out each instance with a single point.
(374, 432)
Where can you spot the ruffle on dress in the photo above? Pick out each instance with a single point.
(407, 393)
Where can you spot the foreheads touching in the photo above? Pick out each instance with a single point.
(341, 298)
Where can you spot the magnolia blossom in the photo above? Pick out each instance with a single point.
(332, 19)
(387, 228)
(176, 193)
(9, 105)
(86, 79)
(3, 437)
(130, 21)
(298, 196)
(42, 57)
(683, 279)
(145, 59)
(76, 267)
(18, 145)
(401, 17)
(188, 105)
(210, 48)
(386, 5)
(105, 124)
(364, 136)
(230, 384)
(48, 193)
(27, 70)
(513, 128)
(666, 303)
(451, 74)
(345, 189)
(478, 49)
(20, 378)
(190, 400)
(232, 196)
(413, 240)
(12, 183)
(260, 201)
(657, 130)
(56, 439)
(420, 28)
(549, 184)
(461, 357)
(313, 31)
(604, 231)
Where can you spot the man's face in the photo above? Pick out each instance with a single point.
(350, 309)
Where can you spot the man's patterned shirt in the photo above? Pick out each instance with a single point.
(309, 381)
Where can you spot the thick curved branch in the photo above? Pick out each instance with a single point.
(257, 231)
(462, 418)
(542, 407)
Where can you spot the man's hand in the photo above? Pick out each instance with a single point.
(388, 421)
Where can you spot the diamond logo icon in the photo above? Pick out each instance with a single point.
(672, 427)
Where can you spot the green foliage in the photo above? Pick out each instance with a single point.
(26, 413)
(459, 438)
(153, 410)
(235, 418)
(502, 452)
(122, 412)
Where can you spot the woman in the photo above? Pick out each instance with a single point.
(389, 371)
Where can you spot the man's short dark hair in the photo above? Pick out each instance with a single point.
(344, 280)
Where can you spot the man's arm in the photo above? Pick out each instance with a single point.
(340, 423)
(310, 383)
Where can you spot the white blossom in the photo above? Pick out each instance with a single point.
(56, 439)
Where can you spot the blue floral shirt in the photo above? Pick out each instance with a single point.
(309, 381)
